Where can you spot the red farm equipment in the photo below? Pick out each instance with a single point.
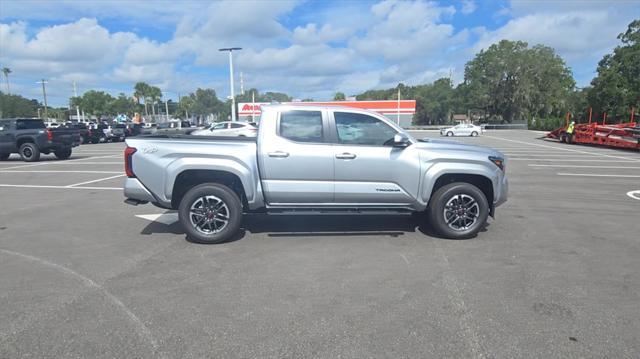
(622, 135)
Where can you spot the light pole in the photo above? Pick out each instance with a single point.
(44, 94)
(233, 97)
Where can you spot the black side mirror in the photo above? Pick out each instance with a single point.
(401, 140)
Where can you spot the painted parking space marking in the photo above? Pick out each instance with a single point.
(58, 187)
(634, 194)
(167, 218)
(568, 160)
(566, 149)
(597, 175)
(586, 166)
(37, 171)
(51, 162)
(94, 181)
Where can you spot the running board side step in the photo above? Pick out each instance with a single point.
(334, 212)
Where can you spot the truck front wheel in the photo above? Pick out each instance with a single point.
(210, 213)
(29, 152)
(458, 210)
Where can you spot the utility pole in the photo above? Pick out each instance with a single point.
(44, 94)
(398, 106)
(241, 84)
(166, 107)
(233, 97)
(75, 94)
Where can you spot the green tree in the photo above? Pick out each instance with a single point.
(122, 105)
(17, 106)
(97, 103)
(339, 96)
(616, 88)
(511, 81)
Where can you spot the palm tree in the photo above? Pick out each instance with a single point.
(154, 94)
(6, 71)
(142, 89)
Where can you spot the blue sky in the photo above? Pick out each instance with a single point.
(304, 48)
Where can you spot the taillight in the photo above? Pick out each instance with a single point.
(128, 163)
(49, 135)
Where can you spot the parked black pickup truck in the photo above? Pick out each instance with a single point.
(29, 138)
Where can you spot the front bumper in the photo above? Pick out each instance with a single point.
(134, 189)
(502, 193)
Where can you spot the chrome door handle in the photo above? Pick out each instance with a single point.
(279, 154)
(346, 156)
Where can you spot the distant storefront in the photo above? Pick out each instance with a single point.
(397, 111)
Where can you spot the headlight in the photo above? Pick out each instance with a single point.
(497, 161)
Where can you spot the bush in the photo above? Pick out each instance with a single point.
(546, 124)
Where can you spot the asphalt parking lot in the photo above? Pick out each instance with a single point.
(556, 274)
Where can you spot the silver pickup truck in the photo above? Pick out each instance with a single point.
(315, 160)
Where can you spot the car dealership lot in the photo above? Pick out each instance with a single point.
(555, 275)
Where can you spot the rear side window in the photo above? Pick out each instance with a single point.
(29, 124)
(301, 126)
(236, 125)
(359, 129)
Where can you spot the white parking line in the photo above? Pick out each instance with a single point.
(585, 166)
(564, 149)
(634, 194)
(570, 160)
(94, 181)
(58, 187)
(553, 155)
(597, 175)
(51, 162)
(36, 171)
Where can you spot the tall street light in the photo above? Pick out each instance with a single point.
(233, 97)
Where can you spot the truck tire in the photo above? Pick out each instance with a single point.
(63, 154)
(4, 156)
(210, 213)
(458, 210)
(29, 152)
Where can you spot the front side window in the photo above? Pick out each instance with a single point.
(301, 126)
(219, 126)
(360, 129)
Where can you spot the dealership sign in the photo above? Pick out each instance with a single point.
(383, 107)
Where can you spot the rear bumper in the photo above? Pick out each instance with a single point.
(134, 189)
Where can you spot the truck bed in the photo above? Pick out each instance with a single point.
(160, 159)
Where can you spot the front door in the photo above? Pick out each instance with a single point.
(368, 169)
(297, 163)
(6, 139)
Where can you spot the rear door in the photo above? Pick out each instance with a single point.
(368, 169)
(297, 163)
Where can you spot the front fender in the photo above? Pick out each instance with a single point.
(438, 169)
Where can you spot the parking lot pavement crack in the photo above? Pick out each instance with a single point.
(464, 314)
(141, 329)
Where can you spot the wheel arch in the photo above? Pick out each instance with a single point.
(190, 178)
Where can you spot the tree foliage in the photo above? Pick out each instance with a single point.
(616, 88)
(17, 106)
(339, 96)
(96, 103)
(511, 81)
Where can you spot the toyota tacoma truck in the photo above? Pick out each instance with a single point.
(315, 160)
(30, 137)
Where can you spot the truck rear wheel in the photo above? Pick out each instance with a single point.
(458, 210)
(210, 213)
(29, 152)
(63, 154)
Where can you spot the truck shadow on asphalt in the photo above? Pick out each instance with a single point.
(319, 226)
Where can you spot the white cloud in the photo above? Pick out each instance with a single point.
(311, 34)
(468, 7)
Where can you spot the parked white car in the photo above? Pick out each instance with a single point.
(462, 130)
(232, 129)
